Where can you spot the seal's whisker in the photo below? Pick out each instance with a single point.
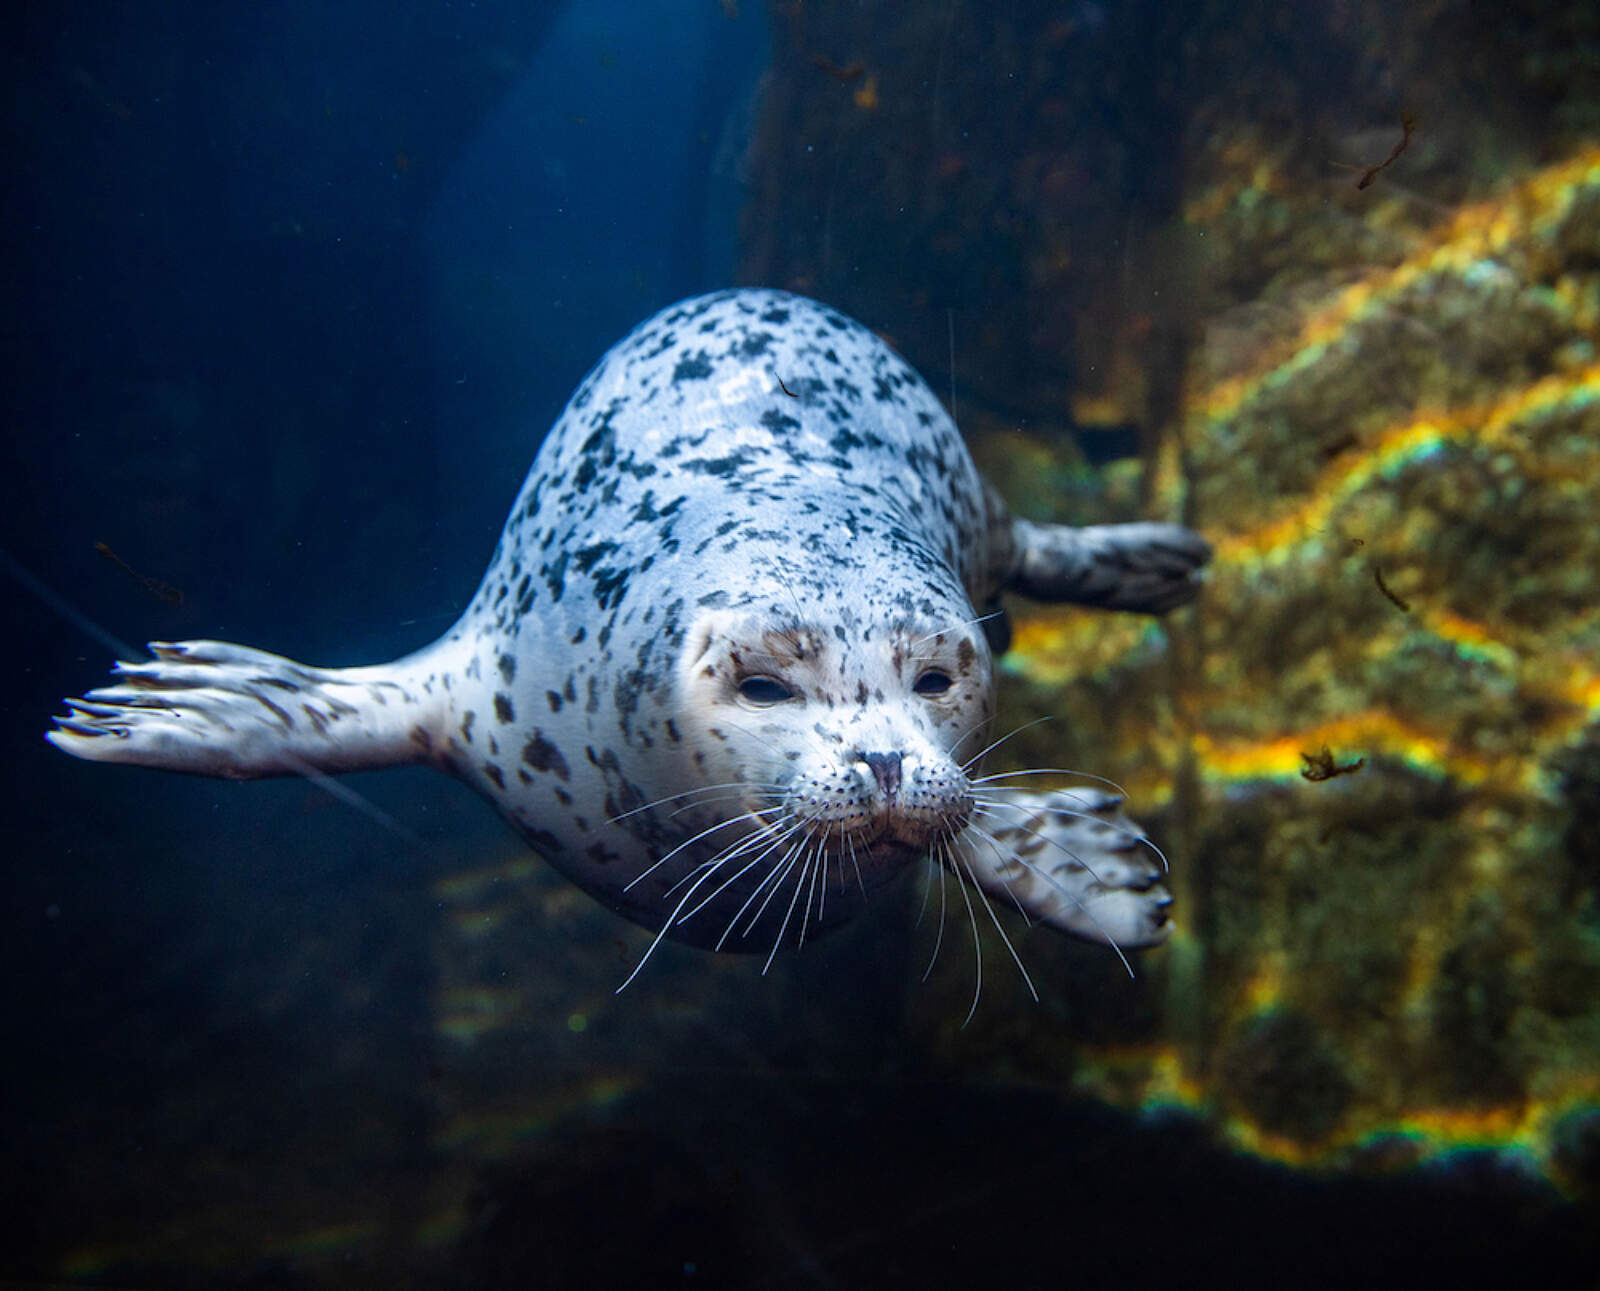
(695, 871)
(969, 733)
(727, 797)
(938, 940)
(691, 875)
(823, 871)
(689, 793)
(977, 941)
(791, 858)
(1082, 906)
(1003, 856)
(1045, 838)
(772, 845)
(927, 887)
(821, 859)
(1126, 828)
(983, 897)
(685, 794)
(778, 566)
(973, 761)
(857, 864)
(788, 914)
(731, 852)
(986, 785)
(778, 867)
(1084, 775)
(721, 824)
(965, 623)
(662, 931)
(734, 878)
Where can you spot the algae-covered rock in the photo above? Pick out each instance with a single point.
(1285, 1077)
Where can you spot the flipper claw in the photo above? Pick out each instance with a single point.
(211, 708)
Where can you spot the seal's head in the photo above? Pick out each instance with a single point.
(841, 738)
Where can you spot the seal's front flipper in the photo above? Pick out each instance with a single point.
(1071, 859)
(1147, 567)
(216, 709)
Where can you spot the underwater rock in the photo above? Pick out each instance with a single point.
(1575, 1151)
(1284, 1076)
(1472, 1003)
(1578, 770)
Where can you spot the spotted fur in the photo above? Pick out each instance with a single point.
(727, 666)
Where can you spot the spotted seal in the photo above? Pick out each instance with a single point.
(730, 667)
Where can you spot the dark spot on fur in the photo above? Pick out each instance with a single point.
(279, 713)
(721, 467)
(508, 668)
(589, 556)
(692, 367)
(504, 713)
(542, 755)
(544, 841)
(778, 423)
(494, 773)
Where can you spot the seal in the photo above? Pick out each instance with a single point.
(730, 668)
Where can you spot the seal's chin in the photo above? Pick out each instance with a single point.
(886, 855)
(918, 831)
(888, 851)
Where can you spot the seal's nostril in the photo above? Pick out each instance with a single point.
(886, 768)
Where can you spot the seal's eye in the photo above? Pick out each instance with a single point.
(932, 682)
(764, 690)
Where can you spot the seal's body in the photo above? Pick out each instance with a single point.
(726, 667)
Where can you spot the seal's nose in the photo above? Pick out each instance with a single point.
(886, 768)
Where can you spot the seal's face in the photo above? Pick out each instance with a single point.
(842, 740)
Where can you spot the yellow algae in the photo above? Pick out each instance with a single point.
(1473, 233)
